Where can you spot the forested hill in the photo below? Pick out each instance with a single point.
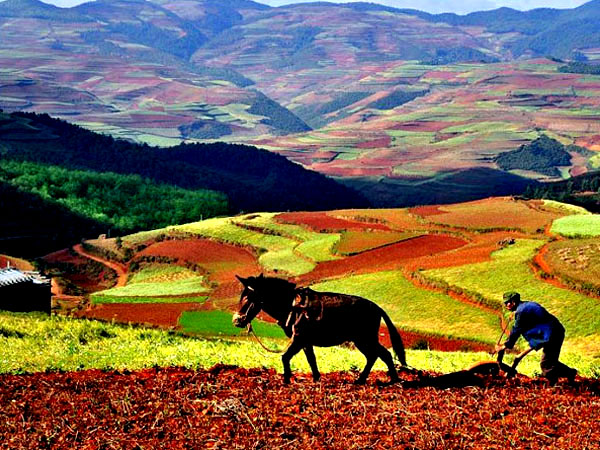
(32, 226)
(81, 183)
(582, 190)
(251, 178)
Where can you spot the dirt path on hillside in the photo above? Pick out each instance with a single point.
(120, 269)
(540, 267)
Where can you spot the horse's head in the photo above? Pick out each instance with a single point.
(250, 302)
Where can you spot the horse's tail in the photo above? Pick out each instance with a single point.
(395, 337)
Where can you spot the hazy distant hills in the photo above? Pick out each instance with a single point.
(382, 96)
(116, 57)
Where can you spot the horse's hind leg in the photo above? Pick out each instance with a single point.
(292, 350)
(312, 361)
(386, 356)
(370, 352)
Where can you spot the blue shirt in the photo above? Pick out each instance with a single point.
(535, 324)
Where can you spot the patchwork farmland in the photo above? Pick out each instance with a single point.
(439, 271)
(472, 116)
(323, 85)
(415, 261)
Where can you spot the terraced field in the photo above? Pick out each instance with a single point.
(439, 271)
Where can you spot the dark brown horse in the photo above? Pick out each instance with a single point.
(324, 320)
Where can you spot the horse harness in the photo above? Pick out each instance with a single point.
(307, 309)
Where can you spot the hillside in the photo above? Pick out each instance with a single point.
(412, 262)
(321, 84)
(118, 184)
(439, 271)
(32, 226)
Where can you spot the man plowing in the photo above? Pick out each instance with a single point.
(542, 331)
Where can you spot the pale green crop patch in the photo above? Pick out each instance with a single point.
(158, 288)
(566, 207)
(509, 270)
(481, 127)
(577, 225)
(156, 281)
(100, 298)
(417, 309)
(162, 272)
(594, 161)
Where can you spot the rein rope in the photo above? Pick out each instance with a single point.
(251, 331)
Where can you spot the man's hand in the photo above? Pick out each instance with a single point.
(500, 348)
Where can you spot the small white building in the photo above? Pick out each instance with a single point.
(24, 291)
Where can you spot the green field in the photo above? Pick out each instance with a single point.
(218, 323)
(509, 270)
(577, 226)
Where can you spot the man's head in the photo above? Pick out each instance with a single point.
(511, 300)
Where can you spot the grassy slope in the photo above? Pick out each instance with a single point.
(509, 270)
(34, 342)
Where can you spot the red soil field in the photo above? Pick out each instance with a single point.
(200, 251)
(223, 261)
(428, 210)
(89, 282)
(391, 257)
(591, 142)
(478, 250)
(399, 219)
(15, 263)
(227, 408)
(65, 256)
(321, 221)
(492, 213)
(383, 141)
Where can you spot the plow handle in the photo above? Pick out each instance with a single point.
(519, 357)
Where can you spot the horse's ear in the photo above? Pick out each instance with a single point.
(245, 282)
(262, 275)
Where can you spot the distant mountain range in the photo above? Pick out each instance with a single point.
(336, 87)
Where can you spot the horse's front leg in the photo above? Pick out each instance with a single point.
(294, 347)
(312, 361)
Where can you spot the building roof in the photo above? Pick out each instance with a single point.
(14, 276)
